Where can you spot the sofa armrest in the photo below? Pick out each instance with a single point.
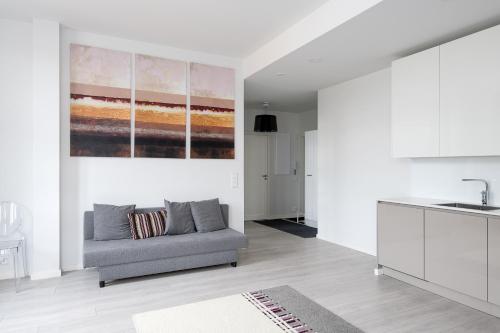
(88, 225)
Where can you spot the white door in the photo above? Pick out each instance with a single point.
(311, 185)
(256, 177)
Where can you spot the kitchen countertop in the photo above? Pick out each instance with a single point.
(432, 203)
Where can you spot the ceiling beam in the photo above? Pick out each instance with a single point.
(325, 18)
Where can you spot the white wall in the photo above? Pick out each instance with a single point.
(355, 167)
(354, 163)
(142, 181)
(440, 178)
(308, 121)
(84, 181)
(285, 189)
(46, 259)
(16, 119)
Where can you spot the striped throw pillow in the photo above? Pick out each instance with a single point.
(146, 225)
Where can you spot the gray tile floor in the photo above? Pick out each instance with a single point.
(338, 278)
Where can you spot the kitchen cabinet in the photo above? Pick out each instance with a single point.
(400, 238)
(446, 100)
(415, 105)
(456, 252)
(470, 95)
(494, 260)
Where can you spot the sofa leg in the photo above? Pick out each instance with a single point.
(234, 263)
(102, 284)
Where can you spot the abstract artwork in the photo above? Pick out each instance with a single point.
(212, 111)
(160, 107)
(100, 102)
(101, 110)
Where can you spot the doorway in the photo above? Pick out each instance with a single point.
(274, 176)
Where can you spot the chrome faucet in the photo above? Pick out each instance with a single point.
(484, 194)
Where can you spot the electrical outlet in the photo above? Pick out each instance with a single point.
(234, 180)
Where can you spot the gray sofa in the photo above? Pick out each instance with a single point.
(124, 258)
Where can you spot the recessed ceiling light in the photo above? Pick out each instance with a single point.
(280, 74)
(315, 60)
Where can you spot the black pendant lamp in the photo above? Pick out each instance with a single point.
(265, 122)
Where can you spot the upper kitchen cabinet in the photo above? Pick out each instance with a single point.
(446, 100)
(470, 95)
(415, 105)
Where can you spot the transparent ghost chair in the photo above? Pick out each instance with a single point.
(12, 240)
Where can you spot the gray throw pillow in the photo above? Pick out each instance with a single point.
(179, 218)
(111, 222)
(207, 215)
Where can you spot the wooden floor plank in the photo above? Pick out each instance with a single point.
(338, 278)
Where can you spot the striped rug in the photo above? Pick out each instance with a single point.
(274, 310)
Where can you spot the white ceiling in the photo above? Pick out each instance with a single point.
(227, 27)
(367, 43)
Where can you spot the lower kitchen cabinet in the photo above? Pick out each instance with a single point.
(456, 255)
(401, 238)
(494, 261)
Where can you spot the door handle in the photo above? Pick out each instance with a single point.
(265, 177)
(309, 175)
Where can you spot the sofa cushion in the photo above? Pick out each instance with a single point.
(111, 222)
(145, 225)
(179, 218)
(115, 252)
(207, 215)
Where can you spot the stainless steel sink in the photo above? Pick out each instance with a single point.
(468, 206)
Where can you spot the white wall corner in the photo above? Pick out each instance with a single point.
(46, 149)
(367, 171)
(16, 117)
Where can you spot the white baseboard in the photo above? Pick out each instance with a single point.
(10, 275)
(320, 236)
(311, 223)
(279, 216)
(7, 271)
(6, 275)
(254, 217)
(46, 274)
(72, 268)
(272, 216)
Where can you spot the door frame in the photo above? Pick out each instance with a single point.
(307, 213)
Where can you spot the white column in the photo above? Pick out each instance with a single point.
(46, 148)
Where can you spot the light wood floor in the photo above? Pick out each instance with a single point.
(340, 279)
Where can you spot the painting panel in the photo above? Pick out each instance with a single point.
(160, 107)
(212, 111)
(99, 102)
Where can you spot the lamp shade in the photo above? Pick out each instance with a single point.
(265, 123)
